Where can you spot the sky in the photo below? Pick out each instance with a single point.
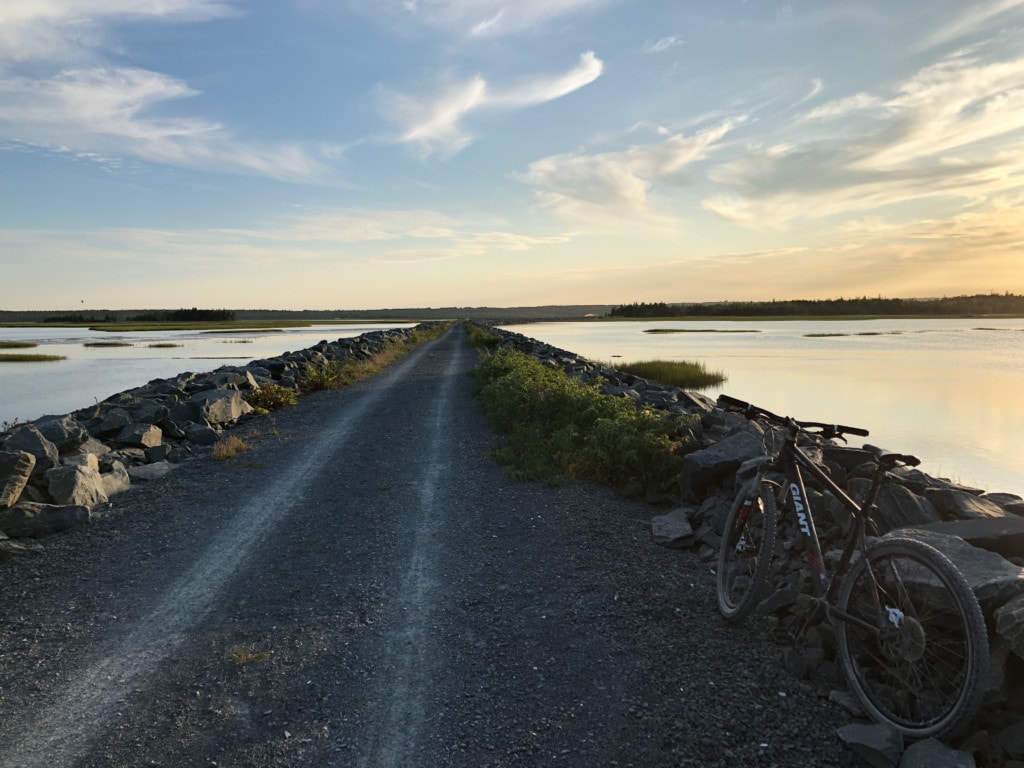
(363, 154)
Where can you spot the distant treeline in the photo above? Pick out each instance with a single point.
(149, 316)
(982, 304)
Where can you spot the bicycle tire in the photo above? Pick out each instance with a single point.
(748, 540)
(925, 676)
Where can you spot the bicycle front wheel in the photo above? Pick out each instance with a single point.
(922, 665)
(746, 549)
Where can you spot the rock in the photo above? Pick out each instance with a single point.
(148, 412)
(673, 529)
(961, 505)
(75, 486)
(112, 421)
(932, 753)
(140, 435)
(1010, 624)
(880, 746)
(221, 406)
(1011, 741)
(15, 470)
(993, 579)
(200, 434)
(898, 507)
(158, 453)
(63, 431)
(91, 445)
(705, 468)
(116, 480)
(847, 702)
(29, 520)
(150, 471)
(1008, 502)
(30, 440)
(1003, 535)
(88, 460)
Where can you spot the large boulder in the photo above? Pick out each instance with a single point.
(220, 406)
(993, 578)
(15, 470)
(30, 440)
(66, 432)
(76, 486)
(705, 468)
(1010, 624)
(897, 507)
(953, 504)
(1003, 535)
(29, 520)
(113, 420)
(140, 436)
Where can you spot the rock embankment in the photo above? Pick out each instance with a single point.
(56, 471)
(981, 532)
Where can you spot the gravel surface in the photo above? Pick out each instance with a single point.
(365, 588)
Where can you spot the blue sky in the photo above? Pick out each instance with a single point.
(410, 153)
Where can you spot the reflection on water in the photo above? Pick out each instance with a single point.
(91, 374)
(945, 390)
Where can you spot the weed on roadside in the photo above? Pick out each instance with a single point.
(229, 447)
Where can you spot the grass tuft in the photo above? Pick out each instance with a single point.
(164, 345)
(229, 447)
(560, 428)
(246, 654)
(271, 397)
(107, 344)
(17, 344)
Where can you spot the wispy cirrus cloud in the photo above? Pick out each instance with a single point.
(595, 186)
(60, 92)
(929, 137)
(493, 18)
(437, 125)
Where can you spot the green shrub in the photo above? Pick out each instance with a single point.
(481, 338)
(330, 375)
(271, 397)
(560, 428)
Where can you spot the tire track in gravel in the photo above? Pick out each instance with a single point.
(63, 731)
(411, 646)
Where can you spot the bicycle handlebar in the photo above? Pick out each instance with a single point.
(752, 411)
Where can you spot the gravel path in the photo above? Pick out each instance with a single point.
(365, 588)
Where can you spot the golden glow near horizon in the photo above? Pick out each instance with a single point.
(701, 152)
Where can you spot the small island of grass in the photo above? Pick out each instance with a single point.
(674, 373)
(702, 330)
(29, 358)
(17, 344)
(106, 344)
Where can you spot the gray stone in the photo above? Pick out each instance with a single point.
(1003, 535)
(993, 579)
(91, 445)
(1011, 741)
(932, 753)
(673, 529)
(148, 472)
(898, 507)
(88, 460)
(63, 431)
(140, 435)
(75, 486)
(28, 520)
(112, 421)
(15, 470)
(116, 480)
(221, 406)
(880, 746)
(1010, 624)
(961, 505)
(148, 412)
(200, 434)
(705, 468)
(158, 453)
(30, 440)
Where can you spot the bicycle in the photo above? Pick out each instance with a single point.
(910, 633)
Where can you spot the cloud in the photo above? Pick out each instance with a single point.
(930, 137)
(436, 126)
(492, 18)
(58, 92)
(665, 43)
(975, 17)
(594, 185)
(103, 110)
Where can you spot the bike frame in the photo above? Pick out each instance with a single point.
(792, 463)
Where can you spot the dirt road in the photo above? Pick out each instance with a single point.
(365, 588)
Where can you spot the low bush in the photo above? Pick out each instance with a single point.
(271, 397)
(560, 428)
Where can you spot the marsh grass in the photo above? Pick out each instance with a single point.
(29, 358)
(674, 373)
(107, 344)
(17, 344)
(229, 447)
(702, 330)
(164, 345)
(560, 428)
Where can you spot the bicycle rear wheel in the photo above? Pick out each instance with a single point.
(746, 549)
(923, 670)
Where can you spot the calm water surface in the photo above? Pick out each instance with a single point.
(948, 391)
(91, 374)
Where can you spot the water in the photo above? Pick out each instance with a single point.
(91, 374)
(948, 391)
